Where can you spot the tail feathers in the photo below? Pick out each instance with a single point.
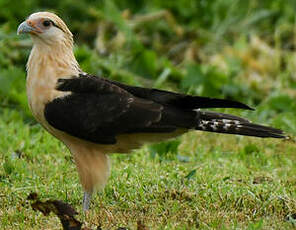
(229, 124)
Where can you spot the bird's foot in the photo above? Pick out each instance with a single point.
(86, 200)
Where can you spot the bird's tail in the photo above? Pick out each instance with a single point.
(224, 123)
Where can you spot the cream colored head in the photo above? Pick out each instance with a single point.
(47, 29)
(53, 43)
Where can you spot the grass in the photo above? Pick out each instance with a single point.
(241, 50)
(213, 182)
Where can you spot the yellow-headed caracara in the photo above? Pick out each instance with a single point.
(94, 116)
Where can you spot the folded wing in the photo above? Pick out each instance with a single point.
(97, 111)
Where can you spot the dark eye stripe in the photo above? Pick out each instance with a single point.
(55, 25)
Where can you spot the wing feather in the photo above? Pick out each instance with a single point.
(182, 101)
(97, 111)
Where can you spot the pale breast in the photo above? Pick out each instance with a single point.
(41, 90)
(45, 66)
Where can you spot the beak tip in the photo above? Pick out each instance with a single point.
(20, 28)
(24, 28)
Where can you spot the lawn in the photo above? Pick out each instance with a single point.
(242, 50)
(214, 181)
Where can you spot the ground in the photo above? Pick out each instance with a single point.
(212, 181)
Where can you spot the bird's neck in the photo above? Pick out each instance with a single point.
(45, 66)
(57, 57)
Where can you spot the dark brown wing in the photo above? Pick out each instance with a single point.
(180, 100)
(97, 111)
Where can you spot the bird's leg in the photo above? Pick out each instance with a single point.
(86, 200)
(93, 169)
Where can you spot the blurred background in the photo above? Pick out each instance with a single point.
(236, 49)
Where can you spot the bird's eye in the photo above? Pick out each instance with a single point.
(46, 23)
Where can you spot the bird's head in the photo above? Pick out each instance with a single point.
(46, 28)
(52, 40)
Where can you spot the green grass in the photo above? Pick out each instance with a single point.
(236, 49)
(214, 182)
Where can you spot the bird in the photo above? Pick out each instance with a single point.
(95, 116)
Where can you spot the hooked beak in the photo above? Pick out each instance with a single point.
(28, 27)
